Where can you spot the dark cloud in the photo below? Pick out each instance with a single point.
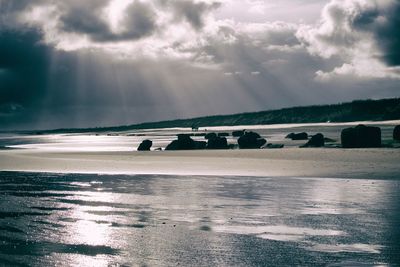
(84, 17)
(88, 18)
(24, 63)
(387, 32)
(385, 25)
(11, 7)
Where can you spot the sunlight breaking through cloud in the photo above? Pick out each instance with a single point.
(111, 62)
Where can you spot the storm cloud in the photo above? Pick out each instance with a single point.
(24, 63)
(110, 62)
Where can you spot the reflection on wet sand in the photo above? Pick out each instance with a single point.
(100, 220)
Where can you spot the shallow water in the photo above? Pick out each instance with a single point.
(100, 220)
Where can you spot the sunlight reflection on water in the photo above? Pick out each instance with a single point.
(100, 220)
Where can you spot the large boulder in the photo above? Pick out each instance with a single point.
(251, 140)
(396, 133)
(297, 136)
(217, 143)
(238, 133)
(274, 146)
(315, 141)
(200, 144)
(209, 136)
(184, 142)
(361, 136)
(145, 145)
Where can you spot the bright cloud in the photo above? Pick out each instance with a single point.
(363, 33)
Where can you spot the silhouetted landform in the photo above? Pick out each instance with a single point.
(210, 136)
(297, 136)
(360, 110)
(217, 142)
(317, 140)
(145, 145)
(274, 146)
(251, 140)
(396, 133)
(361, 136)
(184, 142)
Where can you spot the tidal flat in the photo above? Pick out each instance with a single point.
(154, 220)
(93, 200)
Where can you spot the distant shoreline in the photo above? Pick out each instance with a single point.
(290, 161)
(359, 110)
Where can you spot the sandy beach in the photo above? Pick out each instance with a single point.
(93, 200)
(293, 162)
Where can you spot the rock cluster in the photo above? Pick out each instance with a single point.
(184, 142)
(361, 136)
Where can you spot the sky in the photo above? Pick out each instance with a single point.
(93, 63)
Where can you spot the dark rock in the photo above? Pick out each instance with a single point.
(196, 134)
(361, 136)
(200, 144)
(210, 136)
(232, 146)
(145, 145)
(238, 133)
(223, 134)
(274, 146)
(289, 136)
(315, 141)
(174, 145)
(396, 133)
(251, 140)
(217, 143)
(184, 142)
(297, 136)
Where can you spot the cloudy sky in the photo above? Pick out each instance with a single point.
(75, 63)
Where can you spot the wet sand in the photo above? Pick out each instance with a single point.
(154, 220)
(379, 163)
